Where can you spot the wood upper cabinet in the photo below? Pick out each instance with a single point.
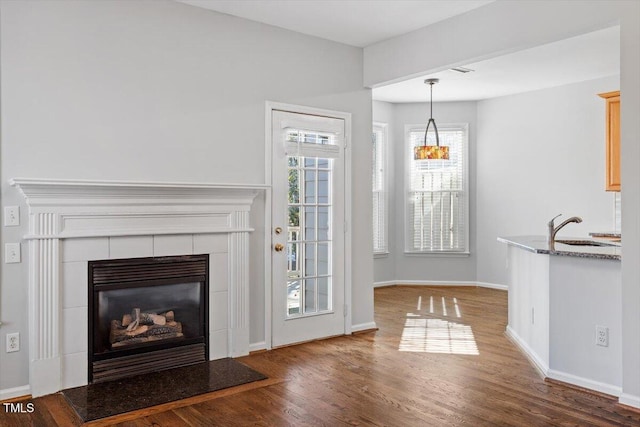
(613, 139)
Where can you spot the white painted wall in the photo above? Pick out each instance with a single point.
(157, 90)
(584, 293)
(540, 154)
(555, 303)
(630, 151)
(384, 266)
(528, 281)
(502, 27)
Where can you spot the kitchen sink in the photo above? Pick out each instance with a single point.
(583, 243)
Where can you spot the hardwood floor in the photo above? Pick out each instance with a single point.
(427, 365)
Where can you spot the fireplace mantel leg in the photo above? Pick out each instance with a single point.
(239, 286)
(44, 317)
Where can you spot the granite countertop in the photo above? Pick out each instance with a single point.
(540, 245)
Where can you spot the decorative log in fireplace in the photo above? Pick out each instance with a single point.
(147, 314)
(137, 327)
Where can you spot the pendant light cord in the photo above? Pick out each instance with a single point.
(431, 100)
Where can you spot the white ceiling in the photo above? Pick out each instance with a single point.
(364, 22)
(585, 57)
(353, 22)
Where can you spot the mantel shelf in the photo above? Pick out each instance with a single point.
(51, 192)
(82, 208)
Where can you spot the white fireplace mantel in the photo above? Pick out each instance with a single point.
(72, 209)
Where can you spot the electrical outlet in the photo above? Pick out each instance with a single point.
(11, 216)
(602, 336)
(13, 342)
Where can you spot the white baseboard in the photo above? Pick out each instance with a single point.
(441, 283)
(10, 393)
(262, 345)
(387, 283)
(585, 383)
(493, 286)
(536, 360)
(257, 346)
(629, 400)
(363, 327)
(546, 372)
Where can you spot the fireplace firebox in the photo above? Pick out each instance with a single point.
(147, 314)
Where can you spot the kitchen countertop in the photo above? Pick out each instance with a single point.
(540, 245)
(606, 234)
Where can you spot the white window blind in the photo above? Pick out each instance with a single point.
(379, 189)
(313, 144)
(437, 193)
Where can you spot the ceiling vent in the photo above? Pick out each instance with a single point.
(461, 70)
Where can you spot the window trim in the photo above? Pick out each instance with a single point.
(408, 158)
(384, 129)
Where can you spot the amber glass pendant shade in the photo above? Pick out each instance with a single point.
(431, 152)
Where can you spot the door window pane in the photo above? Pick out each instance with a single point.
(309, 223)
(323, 293)
(309, 186)
(294, 216)
(294, 186)
(293, 297)
(323, 259)
(323, 223)
(310, 296)
(310, 259)
(293, 249)
(323, 187)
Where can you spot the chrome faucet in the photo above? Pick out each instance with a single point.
(553, 230)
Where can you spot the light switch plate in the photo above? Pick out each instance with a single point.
(11, 253)
(11, 216)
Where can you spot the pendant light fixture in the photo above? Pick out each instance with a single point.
(431, 152)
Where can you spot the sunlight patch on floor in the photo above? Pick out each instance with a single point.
(443, 305)
(437, 336)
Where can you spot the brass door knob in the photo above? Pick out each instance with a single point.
(278, 247)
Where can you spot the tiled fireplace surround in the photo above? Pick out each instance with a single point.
(73, 222)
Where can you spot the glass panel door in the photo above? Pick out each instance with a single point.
(308, 227)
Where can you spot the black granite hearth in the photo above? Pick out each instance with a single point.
(102, 400)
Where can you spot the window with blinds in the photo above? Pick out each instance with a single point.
(437, 202)
(379, 189)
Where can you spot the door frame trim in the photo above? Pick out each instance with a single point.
(270, 106)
